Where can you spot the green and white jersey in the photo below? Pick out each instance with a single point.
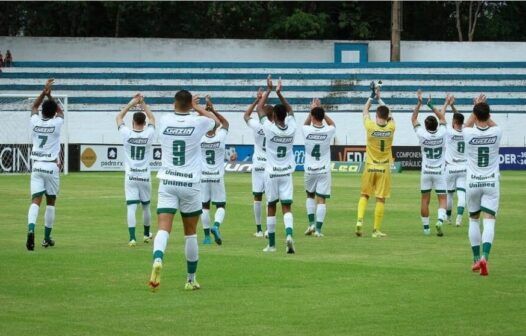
(280, 141)
(318, 148)
(259, 158)
(455, 147)
(482, 152)
(432, 146)
(138, 149)
(213, 154)
(45, 134)
(180, 136)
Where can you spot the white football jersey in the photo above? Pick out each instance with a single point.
(280, 141)
(482, 152)
(213, 154)
(318, 148)
(432, 146)
(180, 136)
(455, 147)
(138, 149)
(46, 138)
(259, 158)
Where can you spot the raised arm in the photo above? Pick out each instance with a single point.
(149, 113)
(202, 112)
(45, 92)
(315, 103)
(60, 112)
(252, 106)
(416, 110)
(210, 107)
(282, 98)
(452, 104)
(263, 100)
(120, 116)
(441, 114)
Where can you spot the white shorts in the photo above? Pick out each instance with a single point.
(213, 190)
(433, 179)
(455, 178)
(258, 181)
(175, 195)
(138, 189)
(44, 179)
(483, 196)
(319, 184)
(279, 188)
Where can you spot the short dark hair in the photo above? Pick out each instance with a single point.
(383, 112)
(183, 99)
(318, 113)
(481, 111)
(139, 118)
(49, 108)
(269, 111)
(458, 118)
(280, 112)
(431, 123)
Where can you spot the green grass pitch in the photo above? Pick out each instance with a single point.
(92, 283)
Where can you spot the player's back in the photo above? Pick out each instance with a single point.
(379, 141)
(138, 148)
(432, 146)
(279, 149)
(45, 134)
(180, 136)
(259, 157)
(318, 148)
(482, 151)
(213, 154)
(455, 147)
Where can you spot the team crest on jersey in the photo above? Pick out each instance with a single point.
(433, 142)
(44, 129)
(181, 131)
(282, 140)
(317, 137)
(381, 134)
(210, 145)
(261, 132)
(483, 141)
(138, 141)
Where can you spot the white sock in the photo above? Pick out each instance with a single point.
(442, 214)
(257, 212)
(425, 222)
(489, 230)
(32, 214)
(321, 210)
(205, 218)
(49, 217)
(310, 205)
(219, 216)
(271, 224)
(160, 241)
(474, 232)
(191, 251)
(449, 201)
(288, 220)
(131, 215)
(461, 198)
(146, 214)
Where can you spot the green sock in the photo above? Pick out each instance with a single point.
(131, 230)
(47, 233)
(272, 239)
(147, 231)
(318, 226)
(476, 252)
(448, 213)
(216, 224)
(31, 227)
(207, 232)
(191, 266)
(288, 231)
(258, 228)
(311, 219)
(158, 255)
(486, 247)
(460, 211)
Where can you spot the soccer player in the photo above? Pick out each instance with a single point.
(180, 134)
(280, 165)
(45, 131)
(212, 180)
(137, 148)
(455, 164)
(482, 137)
(318, 136)
(376, 178)
(432, 143)
(259, 158)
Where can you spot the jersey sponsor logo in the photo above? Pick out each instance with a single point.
(44, 129)
(282, 169)
(210, 173)
(433, 142)
(381, 134)
(138, 179)
(178, 174)
(282, 140)
(316, 137)
(40, 154)
(179, 131)
(210, 145)
(138, 141)
(457, 138)
(483, 141)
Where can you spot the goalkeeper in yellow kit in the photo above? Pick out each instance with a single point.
(376, 178)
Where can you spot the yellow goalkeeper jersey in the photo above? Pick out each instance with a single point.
(379, 141)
